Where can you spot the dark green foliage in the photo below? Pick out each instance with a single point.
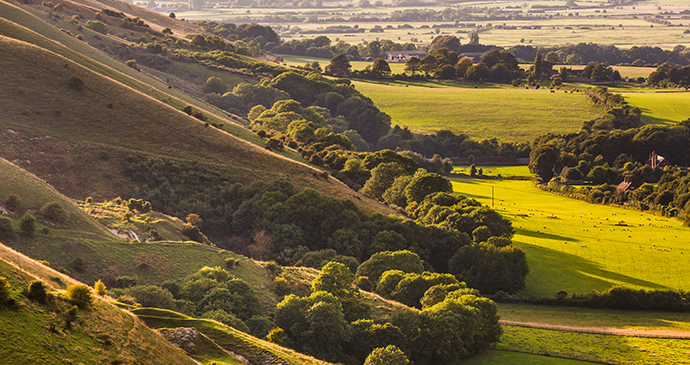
(152, 296)
(139, 205)
(259, 326)
(27, 224)
(373, 160)
(97, 26)
(214, 288)
(214, 85)
(377, 264)
(335, 278)
(79, 295)
(489, 268)
(339, 66)
(422, 185)
(4, 290)
(382, 177)
(78, 264)
(412, 287)
(125, 281)
(227, 319)
(37, 291)
(12, 202)
(6, 227)
(390, 355)
(55, 212)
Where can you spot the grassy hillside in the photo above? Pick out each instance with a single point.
(661, 107)
(88, 133)
(36, 333)
(228, 338)
(578, 247)
(507, 113)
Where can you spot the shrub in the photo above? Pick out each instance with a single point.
(37, 291)
(128, 299)
(4, 290)
(132, 64)
(12, 202)
(99, 287)
(6, 228)
(79, 265)
(28, 225)
(390, 355)
(275, 336)
(231, 262)
(76, 83)
(79, 295)
(363, 283)
(97, 26)
(126, 281)
(54, 212)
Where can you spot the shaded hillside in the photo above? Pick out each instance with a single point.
(37, 333)
(84, 134)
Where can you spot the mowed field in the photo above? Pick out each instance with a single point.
(578, 247)
(507, 113)
(661, 107)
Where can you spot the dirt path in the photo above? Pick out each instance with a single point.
(602, 330)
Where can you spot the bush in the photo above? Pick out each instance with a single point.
(12, 202)
(79, 265)
(128, 299)
(55, 212)
(132, 64)
(227, 319)
(99, 287)
(97, 26)
(391, 355)
(76, 83)
(275, 336)
(231, 262)
(37, 291)
(6, 227)
(79, 295)
(28, 225)
(126, 281)
(4, 290)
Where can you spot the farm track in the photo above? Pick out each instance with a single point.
(602, 330)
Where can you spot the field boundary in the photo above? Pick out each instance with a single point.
(602, 330)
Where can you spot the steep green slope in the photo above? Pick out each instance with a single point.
(36, 333)
(83, 136)
(256, 351)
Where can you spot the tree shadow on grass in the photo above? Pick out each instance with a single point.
(552, 271)
(542, 235)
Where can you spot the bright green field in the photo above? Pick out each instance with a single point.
(504, 171)
(661, 107)
(493, 357)
(507, 113)
(574, 246)
(587, 317)
(593, 347)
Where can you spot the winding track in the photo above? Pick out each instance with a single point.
(602, 330)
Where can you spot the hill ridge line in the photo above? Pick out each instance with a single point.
(602, 330)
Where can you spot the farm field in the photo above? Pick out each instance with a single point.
(616, 26)
(594, 347)
(661, 107)
(504, 171)
(492, 357)
(587, 317)
(578, 247)
(507, 113)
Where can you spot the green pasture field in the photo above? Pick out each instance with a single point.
(666, 107)
(594, 347)
(587, 317)
(578, 247)
(507, 113)
(504, 171)
(493, 357)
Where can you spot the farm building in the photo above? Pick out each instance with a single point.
(402, 56)
(627, 185)
(474, 56)
(657, 161)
